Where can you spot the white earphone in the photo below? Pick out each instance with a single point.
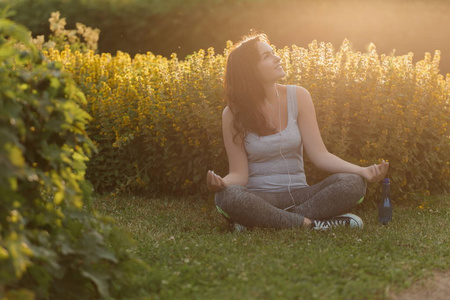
(281, 143)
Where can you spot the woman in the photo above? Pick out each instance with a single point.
(265, 127)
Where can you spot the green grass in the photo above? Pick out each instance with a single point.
(192, 253)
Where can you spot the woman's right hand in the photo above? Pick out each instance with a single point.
(214, 182)
(375, 172)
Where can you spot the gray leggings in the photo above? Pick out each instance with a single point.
(331, 197)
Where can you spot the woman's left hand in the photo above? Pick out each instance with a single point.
(214, 182)
(375, 172)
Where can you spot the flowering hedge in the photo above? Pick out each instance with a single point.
(157, 121)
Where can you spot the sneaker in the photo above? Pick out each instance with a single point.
(349, 220)
(236, 227)
(239, 228)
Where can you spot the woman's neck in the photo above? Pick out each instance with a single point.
(271, 93)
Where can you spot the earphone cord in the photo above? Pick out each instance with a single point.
(289, 174)
(281, 152)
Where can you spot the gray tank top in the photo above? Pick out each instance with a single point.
(268, 170)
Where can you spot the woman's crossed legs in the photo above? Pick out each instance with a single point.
(331, 197)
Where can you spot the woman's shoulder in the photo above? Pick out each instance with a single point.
(302, 94)
(299, 89)
(227, 112)
(227, 115)
(305, 103)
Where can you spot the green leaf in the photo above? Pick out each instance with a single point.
(100, 278)
(15, 155)
(93, 242)
(20, 294)
(7, 52)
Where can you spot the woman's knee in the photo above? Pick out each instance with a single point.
(355, 182)
(228, 199)
(228, 194)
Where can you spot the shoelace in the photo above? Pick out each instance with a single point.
(320, 225)
(338, 222)
(329, 223)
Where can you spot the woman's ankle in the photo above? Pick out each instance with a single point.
(307, 222)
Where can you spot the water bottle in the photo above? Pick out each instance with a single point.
(385, 205)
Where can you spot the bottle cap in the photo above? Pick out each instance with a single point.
(386, 181)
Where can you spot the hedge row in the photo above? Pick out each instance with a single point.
(52, 243)
(157, 121)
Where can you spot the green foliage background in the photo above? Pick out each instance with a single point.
(53, 245)
(129, 25)
(157, 121)
(183, 26)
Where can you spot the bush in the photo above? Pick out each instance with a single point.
(157, 121)
(128, 25)
(51, 243)
(81, 39)
(373, 107)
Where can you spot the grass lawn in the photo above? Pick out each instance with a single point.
(192, 253)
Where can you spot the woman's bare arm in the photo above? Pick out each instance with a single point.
(237, 158)
(316, 149)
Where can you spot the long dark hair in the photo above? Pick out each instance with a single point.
(244, 92)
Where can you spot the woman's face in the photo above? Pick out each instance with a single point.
(269, 64)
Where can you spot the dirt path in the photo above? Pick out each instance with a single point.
(434, 288)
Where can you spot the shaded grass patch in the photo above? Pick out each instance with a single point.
(194, 254)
